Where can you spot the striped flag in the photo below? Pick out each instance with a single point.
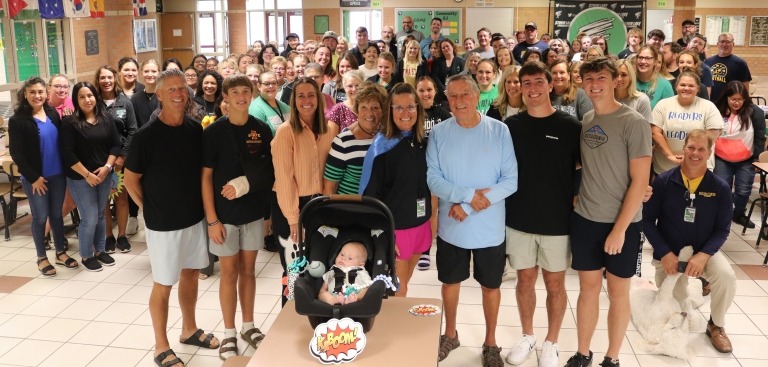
(139, 8)
(20, 9)
(76, 8)
(97, 8)
(51, 9)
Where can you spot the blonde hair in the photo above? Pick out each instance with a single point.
(632, 91)
(502, 101)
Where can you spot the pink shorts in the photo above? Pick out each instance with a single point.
(413, 241)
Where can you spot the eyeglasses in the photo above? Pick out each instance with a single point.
(645, 58)
(269, 84)
(400, 109)
(190, 76)
(736, 100)
(60, 86)
(725, 42)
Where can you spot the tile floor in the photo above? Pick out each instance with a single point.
(80, 318)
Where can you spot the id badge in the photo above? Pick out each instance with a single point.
(421, 208)
(275, 120)
(689, 215)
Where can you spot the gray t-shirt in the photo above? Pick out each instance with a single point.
(577, 108)
(641, 104)
(486, 54)
(608, 143)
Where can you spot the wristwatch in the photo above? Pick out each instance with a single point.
(108, 166)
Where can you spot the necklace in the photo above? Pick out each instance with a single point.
(150, 96)
(359, 126)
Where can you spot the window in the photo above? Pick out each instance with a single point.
(370, 19)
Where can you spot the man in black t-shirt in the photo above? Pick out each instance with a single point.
(546, 145)
(726, 66)
(162, 175)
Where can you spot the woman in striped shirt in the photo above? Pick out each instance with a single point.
(345, 161)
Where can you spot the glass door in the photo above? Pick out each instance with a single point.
(27, 48)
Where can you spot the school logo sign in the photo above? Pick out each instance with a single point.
(611, 19)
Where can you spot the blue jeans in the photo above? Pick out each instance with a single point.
(47, 207)
(740, 177)
(91, 203)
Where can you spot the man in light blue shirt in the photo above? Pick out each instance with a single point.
(471, 168)
(436, 27)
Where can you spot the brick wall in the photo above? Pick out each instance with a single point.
(84, 63)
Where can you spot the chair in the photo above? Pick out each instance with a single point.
(16, 194)
(5, 189)
(759, 100)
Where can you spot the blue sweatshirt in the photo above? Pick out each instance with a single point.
(663, 222)
(461, 160)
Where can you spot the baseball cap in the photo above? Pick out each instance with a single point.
(331, 34)
(291, 35)
(688, 22)
(531, 24)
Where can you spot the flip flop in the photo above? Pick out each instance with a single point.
(195, 340)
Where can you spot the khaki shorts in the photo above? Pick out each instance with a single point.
(247, 237)
(172, 251)
(527, 250)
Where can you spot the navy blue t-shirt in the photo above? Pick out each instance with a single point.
(726, 69)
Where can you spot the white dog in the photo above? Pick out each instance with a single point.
(662, 321)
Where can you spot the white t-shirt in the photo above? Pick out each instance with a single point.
(677, 121)
(368, 72)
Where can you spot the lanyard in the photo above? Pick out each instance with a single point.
(277, 110)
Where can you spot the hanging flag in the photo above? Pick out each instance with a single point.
(20, 9)
(76, 8)
(51, 9)
(97, 8)
(139, 8)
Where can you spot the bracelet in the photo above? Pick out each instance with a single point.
(214, 223)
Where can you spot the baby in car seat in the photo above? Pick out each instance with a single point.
(347, 280)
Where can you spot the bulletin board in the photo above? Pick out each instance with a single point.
(422, 18)
(733, 24)
(758, 32)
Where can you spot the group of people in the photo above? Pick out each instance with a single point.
(542, 164)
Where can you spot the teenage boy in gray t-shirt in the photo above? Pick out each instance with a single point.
(605, 228)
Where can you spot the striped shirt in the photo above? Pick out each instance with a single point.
(299, 159)
(345, 162)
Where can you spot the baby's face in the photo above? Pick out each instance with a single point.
(351, 255)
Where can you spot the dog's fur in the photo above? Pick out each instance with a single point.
(662, 321)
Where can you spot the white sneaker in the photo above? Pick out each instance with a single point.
(133, 225)
(550, 356)
(522, 349)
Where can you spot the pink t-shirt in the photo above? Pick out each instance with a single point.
(67, 104)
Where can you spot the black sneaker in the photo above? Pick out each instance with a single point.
(109, 246)
(580, 360)
(742, 220)
(123, 245)
(91, 264)
(609, 362)
(105, 259)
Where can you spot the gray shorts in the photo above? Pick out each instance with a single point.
(247, 237)
(171, 251)
(527, 250)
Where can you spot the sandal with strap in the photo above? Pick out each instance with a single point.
(195, 340)
(162, 356)
(224, 349)
(68, 263)
(447, 344)
(253, 337)
(47, 270)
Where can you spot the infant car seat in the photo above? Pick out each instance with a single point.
(330, 223)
